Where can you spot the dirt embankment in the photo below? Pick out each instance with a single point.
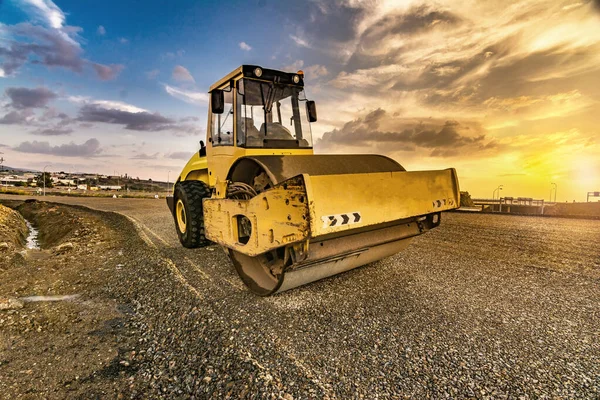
(57, 225)
(13, 230)
(62, 333)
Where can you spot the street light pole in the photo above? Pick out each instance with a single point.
(168, 180)
(498, 189)
(554, 188)
(118, 178)
(44, 178)
(2, 169)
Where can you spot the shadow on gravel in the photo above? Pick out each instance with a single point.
(117, 367)
(110, 327)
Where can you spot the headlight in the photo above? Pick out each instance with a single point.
(296, 79)
(258, 72)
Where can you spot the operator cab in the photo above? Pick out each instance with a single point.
(256, 108)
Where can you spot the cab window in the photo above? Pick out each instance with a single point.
(272, 114)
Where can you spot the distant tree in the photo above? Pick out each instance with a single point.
(465, 200)
(44, 177)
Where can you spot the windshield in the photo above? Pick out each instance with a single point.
(272, 115)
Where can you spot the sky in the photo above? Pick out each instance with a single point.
(508, 93)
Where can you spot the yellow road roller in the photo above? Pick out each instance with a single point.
(285, 215)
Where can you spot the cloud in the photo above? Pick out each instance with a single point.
(445, 139)
(132, 118)
(52, 113)
(189, 119)
(187, 95)
(29, 98)
(410, 23)
(300, 41)
(152, 74)
(315, 71)
(118, 105)
(172, 55)
(107, 72)
(88, 149)
(45, 11)
(101, 30)
(106, 104)
(24, 117)
(53, 132)
(123, 40)
(144, 156)
(139, 121)
(245, 46)
(51, 43)
(181, 74)
(50, 47)
(295, 66)
(325, 21)
(180, 155)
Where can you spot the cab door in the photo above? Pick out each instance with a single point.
(221, 138)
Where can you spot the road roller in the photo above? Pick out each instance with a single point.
(286, 216)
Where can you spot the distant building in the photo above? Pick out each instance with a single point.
(65, 182)
(11, 180)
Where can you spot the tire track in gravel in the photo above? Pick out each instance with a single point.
(174, 260)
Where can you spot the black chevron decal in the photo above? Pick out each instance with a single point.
(333, 220)
(356, 217)
(345, 219)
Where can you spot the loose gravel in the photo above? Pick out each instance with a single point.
(484, 306)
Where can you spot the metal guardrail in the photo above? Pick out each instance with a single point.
(514, 201)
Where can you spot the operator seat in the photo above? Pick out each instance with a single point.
(254, 137)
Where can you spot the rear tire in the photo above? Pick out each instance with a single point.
(188, 213)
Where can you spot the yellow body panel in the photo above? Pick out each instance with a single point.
(195, 169)
(278, 216)
(316, 206)
(378, 197)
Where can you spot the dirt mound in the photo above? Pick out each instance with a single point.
(13, 231)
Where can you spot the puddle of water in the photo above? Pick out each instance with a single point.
(32, 239)
(32, 299)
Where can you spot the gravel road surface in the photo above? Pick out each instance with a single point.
(484, 306)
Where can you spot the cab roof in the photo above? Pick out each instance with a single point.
(268, 75)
